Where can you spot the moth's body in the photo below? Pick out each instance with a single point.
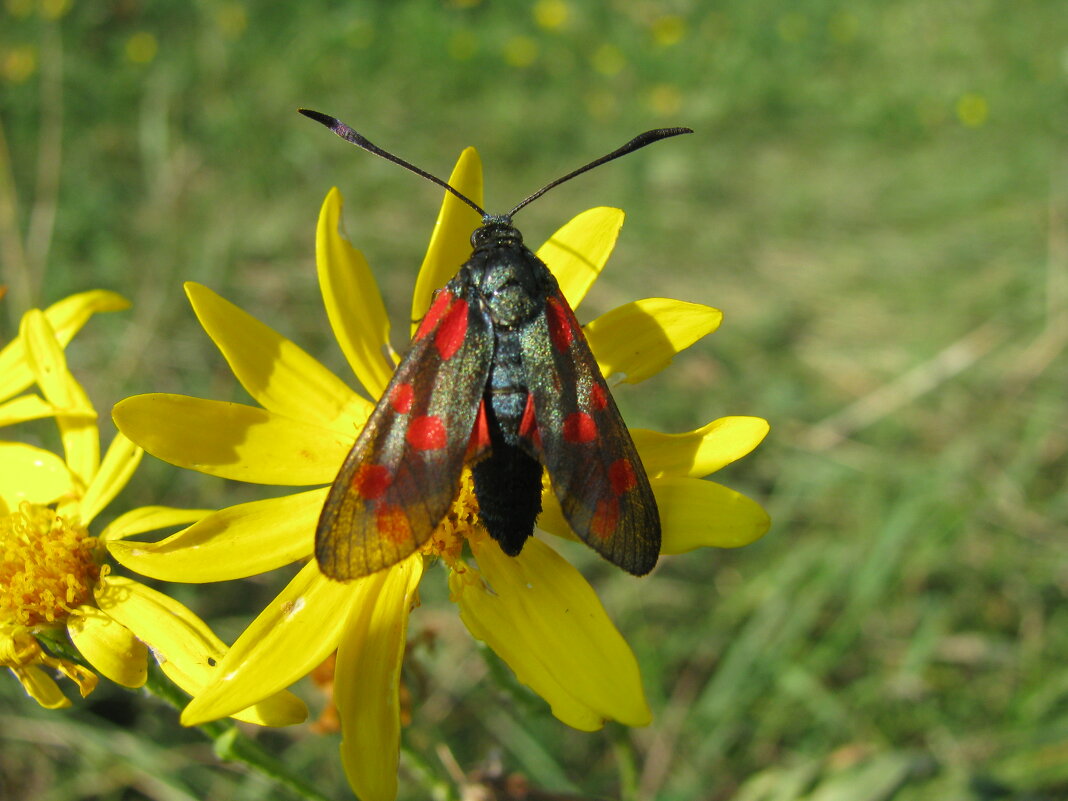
(499, 378)
(514, 286)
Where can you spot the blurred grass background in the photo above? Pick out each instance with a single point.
(877, 198)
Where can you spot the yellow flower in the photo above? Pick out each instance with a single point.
(66, 318)
(535, 610)
(53, 583)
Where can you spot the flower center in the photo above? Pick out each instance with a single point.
(48, 566)
(460, 523)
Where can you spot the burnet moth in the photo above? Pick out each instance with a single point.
(498, 377)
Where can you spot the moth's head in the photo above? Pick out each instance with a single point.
(496, 231)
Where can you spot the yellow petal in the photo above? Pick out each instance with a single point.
(232, 543)
(232, 440)
(639, 339)
(541, 617)
(66, 318)
(23, 408)
(577, 253)
(700, 452)
(294, 634)
(32, 474)
(149, 518)
(368, 675)
(115, 471)
(353, 303)
(187, 650)
(74, 413)
(282, 377)
(699, 514)
(109, 646)
(450, 243)
(41, 687)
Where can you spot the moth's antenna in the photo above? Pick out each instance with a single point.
(639, 141)
(345, 132)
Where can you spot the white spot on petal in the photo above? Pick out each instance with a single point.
(293, 608)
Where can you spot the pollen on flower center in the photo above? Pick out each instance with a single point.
(460, 522)
(48, 566)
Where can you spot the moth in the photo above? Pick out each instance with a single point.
(499, 377)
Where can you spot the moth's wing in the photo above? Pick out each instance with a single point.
(580, 437)
(402, 474)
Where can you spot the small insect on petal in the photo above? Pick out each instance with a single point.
(427, 433)
(579, 427)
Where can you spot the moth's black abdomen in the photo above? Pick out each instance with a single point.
(508, 488)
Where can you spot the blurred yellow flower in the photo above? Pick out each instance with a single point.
(535, 610)
(141, 47)
(551, 14)
(53, 583)
(18, 63)
(54, 9)
(520, 51)
(608, 60)
(668, 30)
(972, 109)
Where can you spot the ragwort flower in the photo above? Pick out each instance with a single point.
(53, 580)
(535, 610)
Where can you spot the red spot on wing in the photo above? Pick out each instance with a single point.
(401, 397)
(561, 330)
(427, 433)
(605, 518)
(452, 331)
(371, 480)
(480, 436)
(392, 524)
(579, 427)
(598, 397)
(621, 475)
(437, 310)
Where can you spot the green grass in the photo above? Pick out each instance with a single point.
(877, 198)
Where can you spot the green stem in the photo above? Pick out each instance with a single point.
(228, 742)
(628, 769)
(226, 738)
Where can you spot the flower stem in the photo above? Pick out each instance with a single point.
(228, 742)
(226, 738)
(623, 749)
